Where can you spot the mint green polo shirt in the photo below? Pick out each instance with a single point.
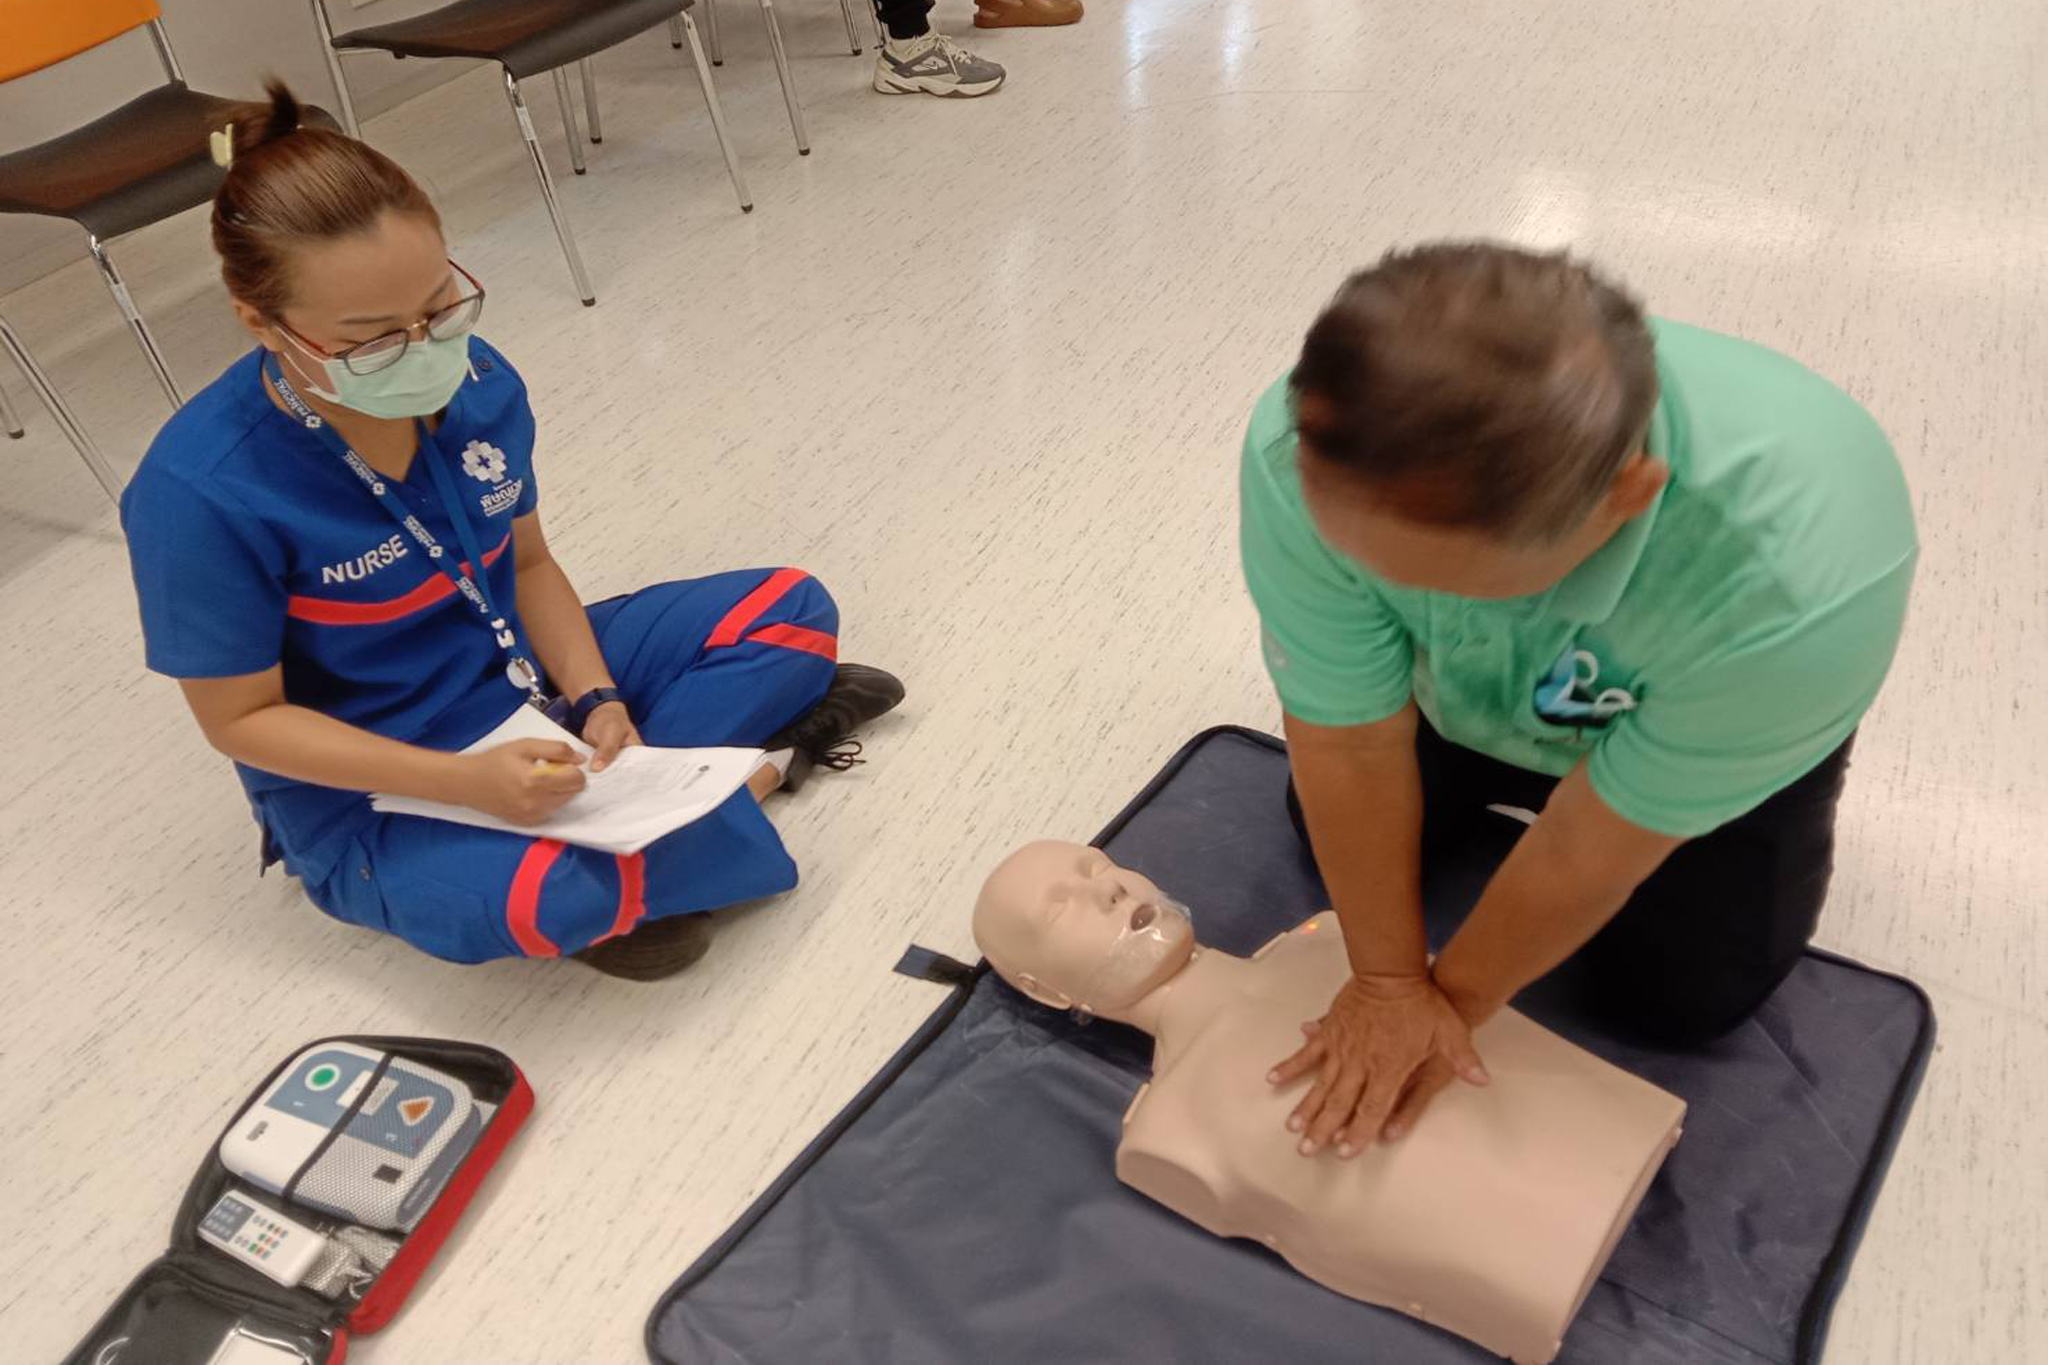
(1751, 612)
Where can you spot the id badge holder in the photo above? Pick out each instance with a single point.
(256, 1275)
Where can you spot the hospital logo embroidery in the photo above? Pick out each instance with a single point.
(483, 462)
(503, 498)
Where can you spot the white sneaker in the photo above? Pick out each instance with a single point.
(934, 65)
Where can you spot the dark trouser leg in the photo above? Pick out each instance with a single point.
(1713, 931)
(1709, 935)
(903, 19)
(1458, 785)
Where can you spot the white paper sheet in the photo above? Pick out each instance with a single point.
(644, 794)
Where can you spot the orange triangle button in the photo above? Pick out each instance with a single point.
(413, 1110)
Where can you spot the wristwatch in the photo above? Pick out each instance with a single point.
(590, 701)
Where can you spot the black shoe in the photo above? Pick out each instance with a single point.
(657, 948)
(823, 735)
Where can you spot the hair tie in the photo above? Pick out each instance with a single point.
(223, 145)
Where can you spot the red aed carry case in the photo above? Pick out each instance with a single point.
(182, 1307)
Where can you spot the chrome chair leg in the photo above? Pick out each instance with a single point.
(10, 420)
(344, 103)
(547, 190)
(712, 40)
(732, 161)
(126, 303)
(570, 131)
(852, 38)
(589, 74)
(40, 382)
(796, 113)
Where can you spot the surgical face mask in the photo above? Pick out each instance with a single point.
(420, 382)
(1156, 930)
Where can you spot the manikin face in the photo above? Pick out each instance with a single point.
(1068, 927)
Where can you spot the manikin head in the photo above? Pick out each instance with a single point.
(1071, 929)
(1472, 418)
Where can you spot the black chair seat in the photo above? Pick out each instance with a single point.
(144, 162)
(524, 36)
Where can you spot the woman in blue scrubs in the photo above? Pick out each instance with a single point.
(338, 554)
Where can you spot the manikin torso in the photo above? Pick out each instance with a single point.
(1491, 1219)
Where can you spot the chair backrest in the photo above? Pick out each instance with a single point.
(39, 33)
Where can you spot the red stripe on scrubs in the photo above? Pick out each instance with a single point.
(797, 637)
(632, 894)
(326, 611)
(750, 608)
(522, 903)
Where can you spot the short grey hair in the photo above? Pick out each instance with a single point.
(1479, 385)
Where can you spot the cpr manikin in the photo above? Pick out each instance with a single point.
(1491, 1219)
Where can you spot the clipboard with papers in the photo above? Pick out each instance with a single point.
(644, 793)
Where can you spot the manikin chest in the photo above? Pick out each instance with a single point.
(1491, 1219)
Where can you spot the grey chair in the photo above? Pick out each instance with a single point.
(529, 37)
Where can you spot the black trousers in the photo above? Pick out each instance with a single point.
(904, 18)
(1707, 937)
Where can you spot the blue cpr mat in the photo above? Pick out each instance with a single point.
(964, 1206)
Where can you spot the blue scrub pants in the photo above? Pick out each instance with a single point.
(725, 660)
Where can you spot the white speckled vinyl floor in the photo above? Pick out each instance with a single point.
(983, 366)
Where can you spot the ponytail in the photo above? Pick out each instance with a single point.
(289, 184)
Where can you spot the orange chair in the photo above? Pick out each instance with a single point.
(138, 165)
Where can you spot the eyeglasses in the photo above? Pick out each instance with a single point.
(455, 320)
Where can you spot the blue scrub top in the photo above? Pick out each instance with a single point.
(254, 545)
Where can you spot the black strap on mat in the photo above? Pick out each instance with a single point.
(924, 964)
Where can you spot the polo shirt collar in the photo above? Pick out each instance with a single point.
(1589, 594)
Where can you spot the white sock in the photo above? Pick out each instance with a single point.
(779, 760)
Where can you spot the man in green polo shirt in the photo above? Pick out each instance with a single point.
(1512, 543)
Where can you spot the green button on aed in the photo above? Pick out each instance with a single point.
(323, 1078)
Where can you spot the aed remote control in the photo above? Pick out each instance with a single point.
(263, 1238)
